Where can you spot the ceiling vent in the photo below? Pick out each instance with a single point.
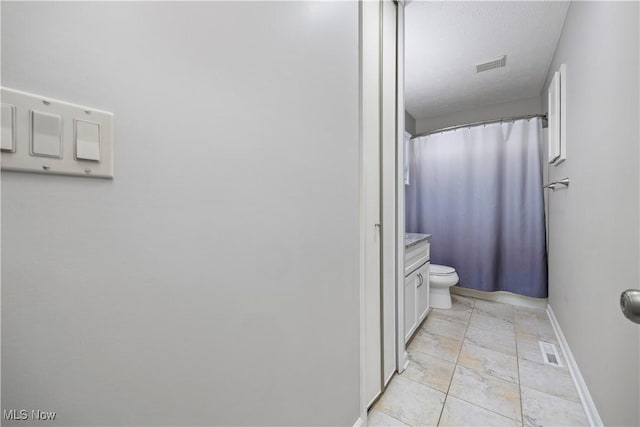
(490, 65)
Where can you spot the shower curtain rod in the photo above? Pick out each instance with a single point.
(486, 122)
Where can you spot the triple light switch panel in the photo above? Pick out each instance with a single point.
(44, 135)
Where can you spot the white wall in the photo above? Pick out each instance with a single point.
(593, 230)
(215, 279)
(409, 123)
(489, 112)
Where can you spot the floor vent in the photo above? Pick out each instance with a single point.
(549, 353)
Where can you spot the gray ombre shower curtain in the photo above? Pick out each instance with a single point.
(478, 191)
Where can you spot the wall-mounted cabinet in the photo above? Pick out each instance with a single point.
(557, 115)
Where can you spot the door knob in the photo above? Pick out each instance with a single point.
(630, 304)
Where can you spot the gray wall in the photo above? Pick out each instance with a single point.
(215, 279)
(488, 112)
(409, 123)
(594, 224)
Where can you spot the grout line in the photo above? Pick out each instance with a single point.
(570, 381)
(521, 421)
(491, 351)
(554, 397)
(519, 380)
(562, 368)
(486, 409)
(491, 332)
(425, 385)
(388, 415)
(455, 366)
(515, 340)
(440, 319)
(445, 337)
(456, 363)
(437, 357)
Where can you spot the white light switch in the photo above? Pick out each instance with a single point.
(8, 141)
(55, 137)
(87, 135)
(46, 134)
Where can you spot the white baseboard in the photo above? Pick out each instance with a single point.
(502, 296)
(388, 380)
(405, 365)
(359, 422)
(585, 397)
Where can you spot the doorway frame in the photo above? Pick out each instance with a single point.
(396, 180)
(401, 351)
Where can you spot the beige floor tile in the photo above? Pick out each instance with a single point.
(483, 387)
(411, 402)
(462, 300)
(429, 370)
(380, 419)
(536, 335)
(541, 409)
(495, 309)
(528, 312)
(547, 379)
(461, 315)
(534, 328)
(489, 362)
(536, 319)
(436, 345)
(458, 413)
(487, 392)
(491, 323)
(487, 338)
(444, 328)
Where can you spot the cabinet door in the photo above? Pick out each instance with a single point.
(410, 318)
(422, 292)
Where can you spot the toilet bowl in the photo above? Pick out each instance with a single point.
(441, 278)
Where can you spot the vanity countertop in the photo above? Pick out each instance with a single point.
(412, 239)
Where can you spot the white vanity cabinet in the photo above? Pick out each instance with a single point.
(422, 292)
(410, 306)
(416, 285)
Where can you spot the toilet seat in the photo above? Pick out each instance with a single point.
(441, 270)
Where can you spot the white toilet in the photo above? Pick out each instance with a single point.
(441, 278)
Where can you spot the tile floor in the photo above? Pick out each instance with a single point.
(479, 364)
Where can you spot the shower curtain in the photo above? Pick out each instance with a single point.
(478, 191)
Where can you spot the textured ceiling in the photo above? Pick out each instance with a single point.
(445, 40)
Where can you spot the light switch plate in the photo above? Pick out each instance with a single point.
(34, 136)
(8, 124)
